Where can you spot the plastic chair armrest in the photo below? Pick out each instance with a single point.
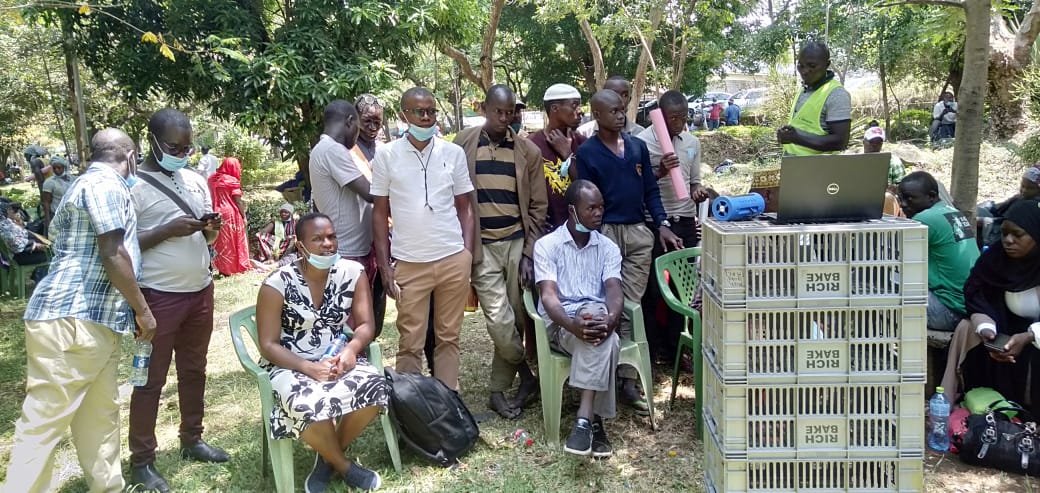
(635, 314)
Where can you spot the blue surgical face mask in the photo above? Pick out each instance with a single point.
(130, 181)
(422, 134)
(321, 262)
(578, 226)
(516, 127)
(170, 162)
(131, 170)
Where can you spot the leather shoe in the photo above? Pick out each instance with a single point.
(203, 452)
(147, 478)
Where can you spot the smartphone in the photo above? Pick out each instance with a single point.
(209, 217)
(998, 343)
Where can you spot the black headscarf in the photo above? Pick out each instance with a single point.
(996, 269)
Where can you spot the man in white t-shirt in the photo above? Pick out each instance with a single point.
(423, 181)
(175, 225)
(207, 163)
(944, 114)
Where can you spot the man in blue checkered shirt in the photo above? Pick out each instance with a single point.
(74, 322)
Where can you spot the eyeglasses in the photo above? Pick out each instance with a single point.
(423, 112)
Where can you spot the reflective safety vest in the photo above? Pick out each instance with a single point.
(807, 118)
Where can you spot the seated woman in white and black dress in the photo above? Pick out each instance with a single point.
(300, 310)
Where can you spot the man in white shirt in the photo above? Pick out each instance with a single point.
(175, 225)
(423, 181)
(681, 213)
(620, 85)
(207, 163)
(944, 113)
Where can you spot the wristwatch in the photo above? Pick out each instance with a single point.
(666, 223)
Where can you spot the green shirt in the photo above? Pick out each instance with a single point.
(951, 253)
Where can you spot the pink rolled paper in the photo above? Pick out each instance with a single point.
(661, 131)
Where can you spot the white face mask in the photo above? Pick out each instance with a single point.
(321, 262)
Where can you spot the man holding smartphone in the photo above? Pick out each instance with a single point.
(175, 226)
(578, 271)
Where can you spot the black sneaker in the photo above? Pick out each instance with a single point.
(361, 478)
(601, 448)
(580, 440)
(320, 477)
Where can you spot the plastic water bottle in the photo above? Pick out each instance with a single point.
(336, 347)
(939, 414)
(139, 367)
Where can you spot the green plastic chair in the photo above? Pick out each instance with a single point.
(280, 452)
(554, 368)
(681, 268)
(14, 277)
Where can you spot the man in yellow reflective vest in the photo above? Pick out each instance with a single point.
(821, 115)
(821, 118)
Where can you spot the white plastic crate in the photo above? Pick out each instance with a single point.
(815, 421)
(898, 475)
(756, 264)
(818, 345)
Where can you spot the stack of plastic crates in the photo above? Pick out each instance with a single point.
(815, 356)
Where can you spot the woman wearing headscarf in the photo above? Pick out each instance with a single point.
(231, 249)
(1002, 296)
(278, 238)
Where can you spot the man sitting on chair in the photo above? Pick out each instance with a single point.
(578, 272)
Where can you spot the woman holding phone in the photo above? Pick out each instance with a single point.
(1002, 296)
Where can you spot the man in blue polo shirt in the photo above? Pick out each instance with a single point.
(619, 165)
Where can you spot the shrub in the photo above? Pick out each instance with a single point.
(272, 173)
(910, 125)
(742, 144)
(1029, 152)
(251, 152)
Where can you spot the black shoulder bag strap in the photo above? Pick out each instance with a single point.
(167, 192)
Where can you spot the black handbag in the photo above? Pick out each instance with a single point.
(992, 440)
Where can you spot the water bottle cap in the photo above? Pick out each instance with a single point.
(939, 390)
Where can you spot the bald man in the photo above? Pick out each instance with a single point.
(511, 204)
(176, 225)
(623, 88)
(74, 323)
(620, 166)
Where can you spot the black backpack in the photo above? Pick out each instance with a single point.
(430, 417)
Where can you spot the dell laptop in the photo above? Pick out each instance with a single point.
(832, 187)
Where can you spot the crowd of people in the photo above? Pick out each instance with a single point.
(575, 213)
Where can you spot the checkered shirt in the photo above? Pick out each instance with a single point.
(77, 285)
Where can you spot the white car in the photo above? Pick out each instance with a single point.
(751, 99)
(703, 103)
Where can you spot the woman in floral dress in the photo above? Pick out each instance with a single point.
(300, 310)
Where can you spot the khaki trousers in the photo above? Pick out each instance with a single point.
(70, 383)
(636, 242)
(497, 282)
(447, 280)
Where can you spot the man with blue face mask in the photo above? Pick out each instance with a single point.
(578, 271)
(423, 181)
(175, 226)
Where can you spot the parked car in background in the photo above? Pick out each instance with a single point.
(703, 103)
(751, 99)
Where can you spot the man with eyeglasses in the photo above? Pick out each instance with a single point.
(423, 181)
(619, 165)
(558, 143)
(506, 171)
(682, 214)
(175, 226)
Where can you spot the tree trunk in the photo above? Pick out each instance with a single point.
(646, 57)
(486, 78)
(598, 70)
(79, 117)
(883, 76)
(965, 180)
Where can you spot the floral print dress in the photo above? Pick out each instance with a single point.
(307, 332)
